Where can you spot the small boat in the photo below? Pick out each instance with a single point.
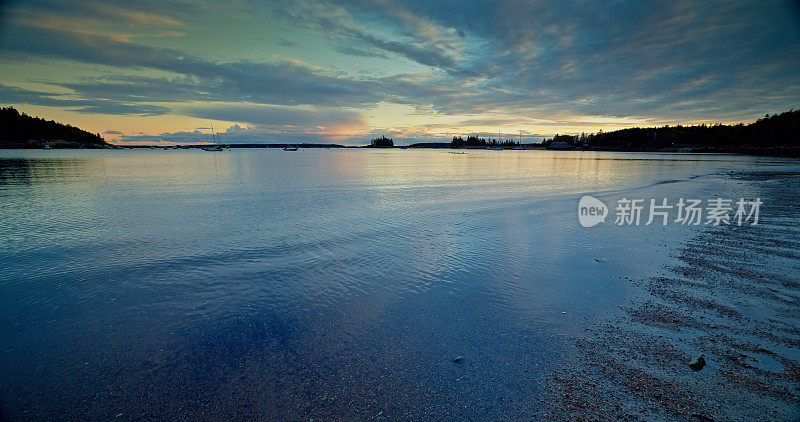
(216, 146)
(288, 148)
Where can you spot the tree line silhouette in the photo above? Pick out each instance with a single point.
(777, 130)
(18, 130)
(473, 141)
(382, 142)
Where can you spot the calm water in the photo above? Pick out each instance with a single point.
(321, 283)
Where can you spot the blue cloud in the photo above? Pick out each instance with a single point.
(12, 95)
(664, 60)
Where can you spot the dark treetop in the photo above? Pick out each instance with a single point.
(23, 131)
(775, 131)
(382, 142)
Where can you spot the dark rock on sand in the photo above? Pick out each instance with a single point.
(697, 363)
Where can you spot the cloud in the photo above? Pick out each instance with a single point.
(14, 95)
(285, 83)
(277, 116)
(352, 51)
(286, 43)
(547, 64)
(413, 38)
(112, 132)
(246, 136)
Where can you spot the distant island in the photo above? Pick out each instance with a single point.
(18, 130)
(777, 134)
(382, 142)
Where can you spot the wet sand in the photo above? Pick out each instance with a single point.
(734, 298)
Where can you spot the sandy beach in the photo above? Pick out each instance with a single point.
(733, 299)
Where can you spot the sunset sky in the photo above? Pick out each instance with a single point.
(344, 71)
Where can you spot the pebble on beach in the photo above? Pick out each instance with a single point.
(697, 364)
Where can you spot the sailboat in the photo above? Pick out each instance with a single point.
(216, 146)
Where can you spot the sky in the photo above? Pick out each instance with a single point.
(345, 71)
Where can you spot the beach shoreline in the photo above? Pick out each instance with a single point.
(732, 299)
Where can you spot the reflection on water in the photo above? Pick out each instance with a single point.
(324, 283)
